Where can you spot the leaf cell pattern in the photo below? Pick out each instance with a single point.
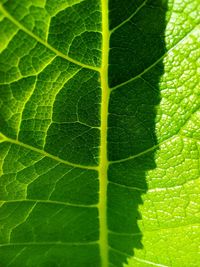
(87, 91)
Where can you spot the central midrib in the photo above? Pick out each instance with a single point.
(103, 165)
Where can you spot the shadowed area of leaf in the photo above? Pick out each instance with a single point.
(137, 48)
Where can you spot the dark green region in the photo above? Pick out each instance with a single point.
(58, 255)
(47, 216)
(135, 47)
(77, 32)
(74, 134)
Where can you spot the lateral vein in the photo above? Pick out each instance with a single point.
(60, 54)
(153, 64)
(130, 17)
(4, 138)
(48, 201)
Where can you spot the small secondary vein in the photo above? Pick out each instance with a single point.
(127, 186)
(129, 18)
(44, 201)
(51, 243)
(143, 152)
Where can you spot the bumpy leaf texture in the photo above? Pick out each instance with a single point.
(99, 133)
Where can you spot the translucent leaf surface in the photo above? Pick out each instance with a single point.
(100, 133)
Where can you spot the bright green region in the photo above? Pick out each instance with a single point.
(83, 183)
(174, 161)
(32, 14)
(22, 57)
(181, 101)
(192, 127)
(169, 247)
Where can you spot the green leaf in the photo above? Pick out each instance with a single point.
(100, 133)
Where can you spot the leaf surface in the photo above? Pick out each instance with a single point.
(99, 133)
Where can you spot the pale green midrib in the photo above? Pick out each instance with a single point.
(58, 53)
(4, 138)
(103, 164)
